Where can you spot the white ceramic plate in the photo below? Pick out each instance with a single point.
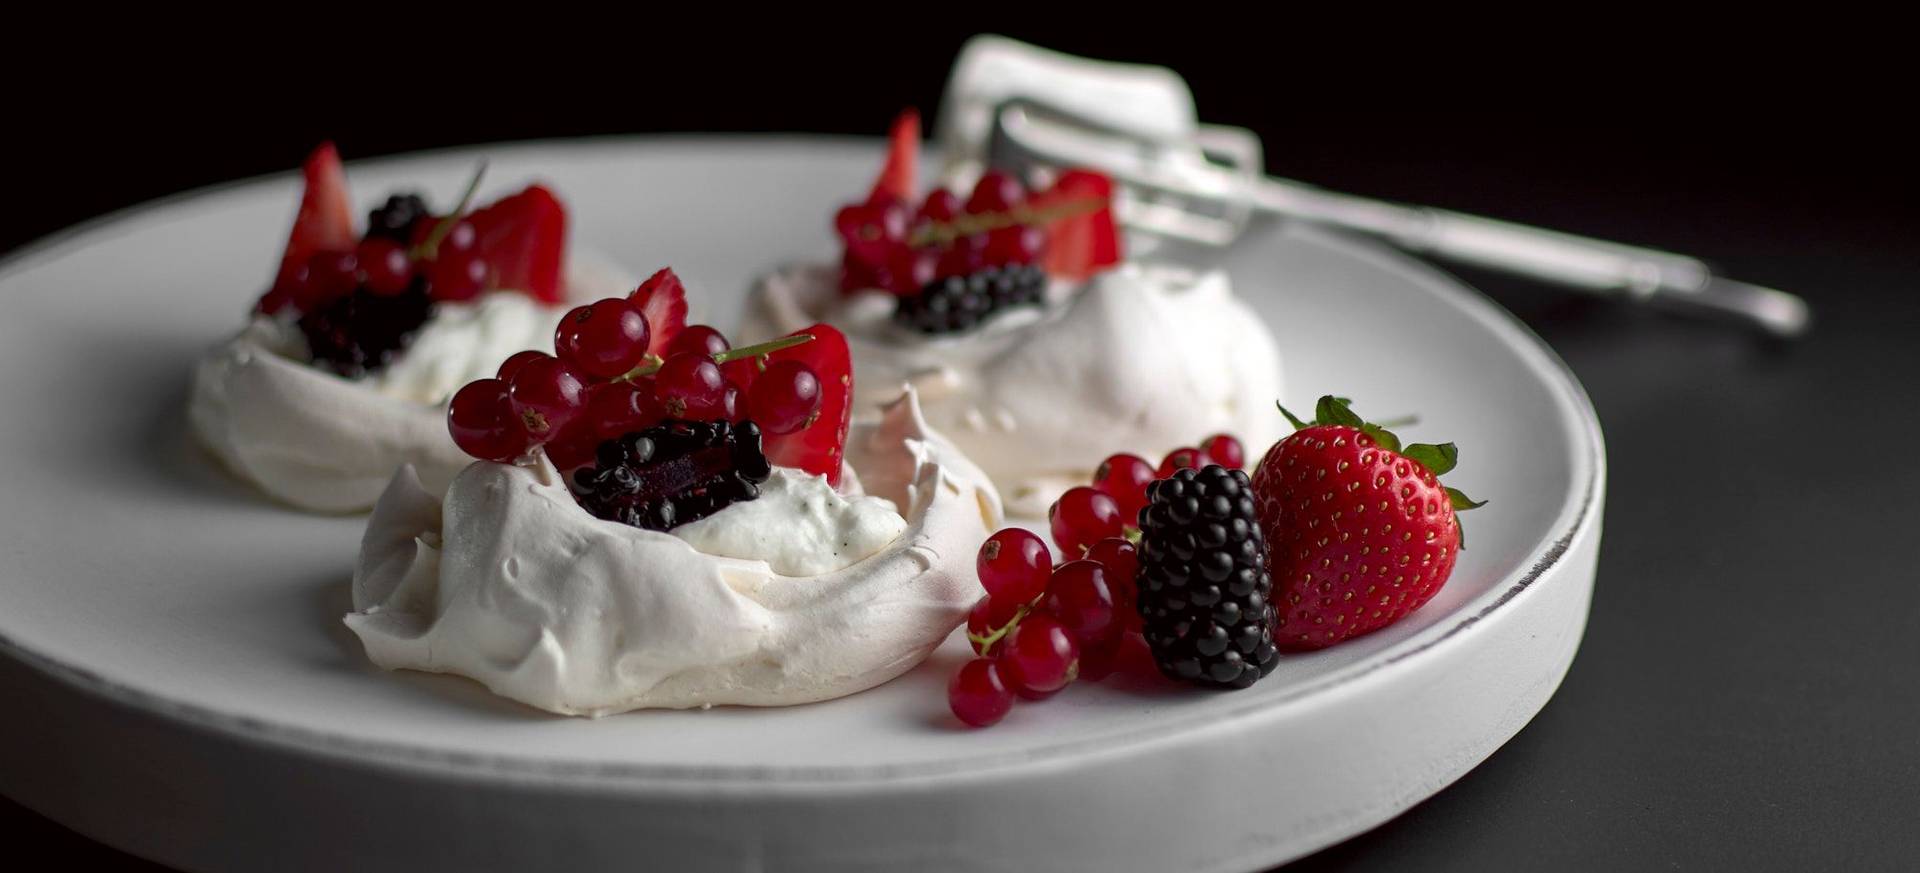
(179, 683)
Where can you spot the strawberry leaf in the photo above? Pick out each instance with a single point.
(1439, 459)
(1381, 435)
(1333, 410)
(1461, 502)
(1293, 419)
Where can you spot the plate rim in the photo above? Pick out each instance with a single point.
(1575, 515)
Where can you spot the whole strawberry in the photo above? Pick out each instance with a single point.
(1360, 531)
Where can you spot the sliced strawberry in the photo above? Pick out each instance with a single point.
(897, 178)
(819, 448)
(325, 220)
(663, 300)
(524, 239)
(1082, 245)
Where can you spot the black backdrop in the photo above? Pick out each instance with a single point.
(1746, 694)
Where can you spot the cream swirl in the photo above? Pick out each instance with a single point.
(508, 581)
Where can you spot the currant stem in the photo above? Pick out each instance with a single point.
(652, 363)
(968, 225)
(429, 248)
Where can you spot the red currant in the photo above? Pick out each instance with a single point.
(911, 269)
(546, 395)
(1082, 517)
(483, 423)
(1122, 560)
(384, 265)
(734, 402)
(986, 617)
(698, 339)
(995, 192)
(324, 278)
(1101, 659)
(462, 238)
(618, 408)
(515, 361)
(940, 206)
(690, 386)
(1083, 602)
(1014, 245)
(1224, 450)
(1179, 459)
(458, 276)
(1040, 654)
(603, 339)
(1125, 478)
(574, 446)
(785, 398)
(964, 256)
(1014, 565)
(978, 695)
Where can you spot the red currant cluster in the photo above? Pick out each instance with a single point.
(444, 253)
(894, 246)
(1041, 626)
(616, 372)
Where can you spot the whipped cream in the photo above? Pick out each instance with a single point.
(799, 525)
(508, 581)
(321, 442)
(1144, 359)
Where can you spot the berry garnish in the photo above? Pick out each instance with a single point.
(989, 620)
(398, 219)
(690, 386)
(324, 222)
(384, 265)
(698, 339)
(978, 695)
(363, 331)
(673, 473)
(1014, 566)
(1203, 588)
(1082, 517)
(663, 300)
(1180, 459)
(457, 276)
(603, 339)
(483, 423)
(1081, 598)
(897, 177)
(820, 448)
(1224, 450)
(785, 398)
(995, 191)
(1039, 655)
(1398, 535)
(620, 408)
(1081, 242)
(547, 393)
(515, 361)
(1121, 559)
(957, 303)
(1124, 477)
(523, 239)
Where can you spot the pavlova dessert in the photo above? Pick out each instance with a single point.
(699, 526)
(346, 365)
(1028, 338)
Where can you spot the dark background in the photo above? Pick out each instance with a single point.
(1748, 693)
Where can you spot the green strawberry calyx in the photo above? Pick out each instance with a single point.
(1440, 459)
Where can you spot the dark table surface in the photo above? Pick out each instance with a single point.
(1749, 688)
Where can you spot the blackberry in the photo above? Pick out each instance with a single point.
(396, 219)
(363, 331)
(673, 473)
(1204, 593)
(959, 303)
